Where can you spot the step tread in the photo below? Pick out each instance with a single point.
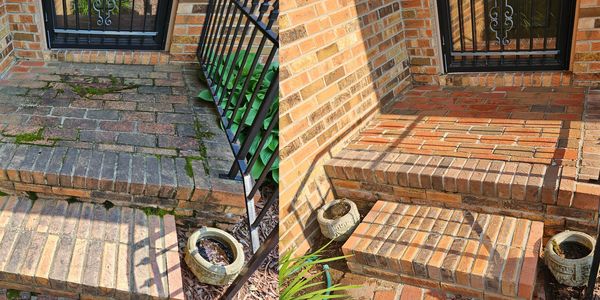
(458, 251)
(80, 248)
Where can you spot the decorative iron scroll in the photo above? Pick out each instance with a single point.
(501, 31)
(109, 6)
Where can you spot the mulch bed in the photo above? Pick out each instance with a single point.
(264, 282)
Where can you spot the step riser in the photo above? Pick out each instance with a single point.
(127, 180)
(564, 204)
(476, 255)
(85, 250)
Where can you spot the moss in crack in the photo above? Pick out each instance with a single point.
(30, 137)
(108, 205)
(3, 194)
(85, 91)
(189, 170)
(113, 80)
(201, 135)
(157, 211)
(72, 200)
(32, 196)
(13, 294)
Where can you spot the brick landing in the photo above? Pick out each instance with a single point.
(459, 252)
(133, 135)
(84, 250)
(511, 151)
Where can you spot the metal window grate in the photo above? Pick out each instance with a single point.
(107, 24)
(506, 35)
(242, 33)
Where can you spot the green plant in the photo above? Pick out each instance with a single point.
(223, 67)
(298, 278)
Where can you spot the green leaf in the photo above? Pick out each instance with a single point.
(205, 95)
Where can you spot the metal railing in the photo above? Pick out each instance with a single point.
(238, 58)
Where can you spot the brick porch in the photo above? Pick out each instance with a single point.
(132, 135)
(503, 155)
(76, 139)
(525, 152)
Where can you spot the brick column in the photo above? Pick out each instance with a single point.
(6, 45)
(187, 29)
(26, 25)
(586, 64)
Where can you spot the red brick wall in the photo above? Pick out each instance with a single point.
(27, 28)
(6, 46)
(586, 62)
(341, 61)
(420, 20)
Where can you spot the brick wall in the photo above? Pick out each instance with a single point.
(26, 26)
(341, 61)
(420, 19)
(586, 64)
(187, 29)
(6, 46)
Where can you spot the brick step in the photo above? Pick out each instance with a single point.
(84, 250)
(125, 179)
(539, 192)
(457, 251)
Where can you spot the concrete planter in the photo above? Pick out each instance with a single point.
(341, 227)
(206, 271)
(571, 272)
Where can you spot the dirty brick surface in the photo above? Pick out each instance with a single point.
(456, 251)
(128, 134)
(83, 249)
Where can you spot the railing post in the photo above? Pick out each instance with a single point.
(589, 291)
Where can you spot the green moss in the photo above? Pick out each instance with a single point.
(189, 170)
(13, 294)
(32, 195)
(108, 205)
(113, 80)
(3, 194)
(72, 200)
(201, 135)
(29, 137)
(84, 91)
(156, 211)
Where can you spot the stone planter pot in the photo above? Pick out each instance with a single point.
(206, 271)
(338, 228)
(571, 272)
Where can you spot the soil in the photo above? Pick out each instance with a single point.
(573, 250)
(215, 252)
(337, 211)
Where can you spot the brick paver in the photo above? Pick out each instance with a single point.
(471, 254)
(532, 125)
(112, 132)
(74, 264)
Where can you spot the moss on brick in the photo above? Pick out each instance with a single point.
(3, 194)
(30, 137)
(156, 211)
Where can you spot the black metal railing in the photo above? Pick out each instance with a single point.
(506, 35)
(107, 24)
(238, 58)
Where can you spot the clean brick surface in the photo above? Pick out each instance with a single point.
(491, 150)
(457, 251)
(126, 140)
(137, 257)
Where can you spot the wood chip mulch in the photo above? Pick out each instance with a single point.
(263, 283)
